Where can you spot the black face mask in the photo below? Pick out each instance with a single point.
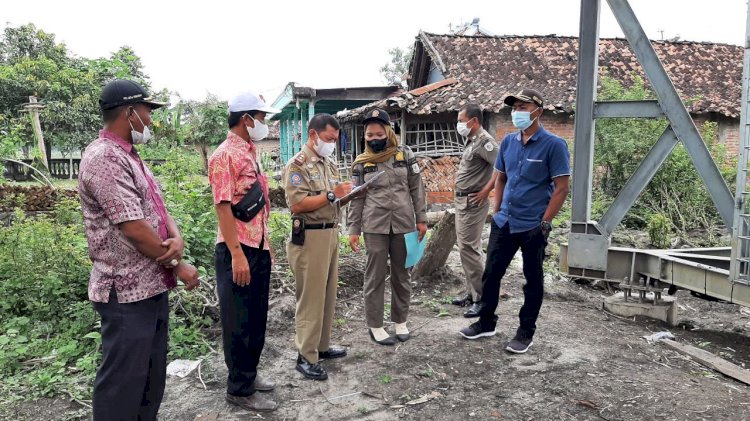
(377, 145)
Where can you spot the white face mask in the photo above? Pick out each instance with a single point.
(324, 149)
(138, 137)
(462, 129)
(259, 132)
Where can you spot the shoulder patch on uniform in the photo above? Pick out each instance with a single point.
(295, 179)
(489, 146)
(300, 158)
(415, 167)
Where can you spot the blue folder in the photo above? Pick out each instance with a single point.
(414, 248)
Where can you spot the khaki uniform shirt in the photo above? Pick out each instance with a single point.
(394, 202)
(307, 174)
(477, 162)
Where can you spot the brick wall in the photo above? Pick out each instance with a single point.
(728, 131)
(563, 126)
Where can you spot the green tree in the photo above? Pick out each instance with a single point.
(208, 124)
(32, 63)
(676, 191)
(396, 71)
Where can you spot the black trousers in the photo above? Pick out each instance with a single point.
(500, 251)
(129, 384)
(244, 312)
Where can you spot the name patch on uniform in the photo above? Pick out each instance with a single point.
(489, 146)
(295, 179)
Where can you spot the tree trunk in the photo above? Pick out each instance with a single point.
(438, 247)
(204, 156)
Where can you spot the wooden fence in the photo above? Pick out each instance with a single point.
(62, 169)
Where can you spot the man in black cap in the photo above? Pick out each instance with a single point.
(136, 250)
(533, 172)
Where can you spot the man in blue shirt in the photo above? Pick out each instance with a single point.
(533, 168)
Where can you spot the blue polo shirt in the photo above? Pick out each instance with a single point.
(530, 169)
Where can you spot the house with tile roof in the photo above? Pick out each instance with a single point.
(449, 71)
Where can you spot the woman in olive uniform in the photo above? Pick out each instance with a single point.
(393, 205)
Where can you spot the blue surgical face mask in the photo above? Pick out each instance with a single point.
(522, 119)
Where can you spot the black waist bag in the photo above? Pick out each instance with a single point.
(251, 204)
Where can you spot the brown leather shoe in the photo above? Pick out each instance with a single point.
(254, 402)
(263, 384)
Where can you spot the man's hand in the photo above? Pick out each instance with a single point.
(240, 269)
(354, 242)
(546, 228)
(342, 189)
(188, 274)
(422, 228)
(175, 247)
(479, 197)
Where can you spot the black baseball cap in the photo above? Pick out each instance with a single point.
(377, 114)
(526, 95)
(123, 92)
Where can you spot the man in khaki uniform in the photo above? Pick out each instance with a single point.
(312, 188)
(393, 205)
(474, 182)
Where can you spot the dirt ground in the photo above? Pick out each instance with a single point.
(584, 365)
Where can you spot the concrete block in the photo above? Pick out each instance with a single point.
(665, 310)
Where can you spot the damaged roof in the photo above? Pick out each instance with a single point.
(484, 69)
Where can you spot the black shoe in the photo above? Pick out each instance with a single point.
(390, 341)
(519, 345)
(311, 371)
(474, 310)
(403, 338)
(462, 301)
(474, 331)
(333, 352)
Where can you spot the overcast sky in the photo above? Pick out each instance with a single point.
(224, 46)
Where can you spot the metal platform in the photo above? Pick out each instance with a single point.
(723, 273)
(703, 270)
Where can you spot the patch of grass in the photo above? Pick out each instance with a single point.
(341, 321)
(427, 372)
(363, 410)
(386, 311)
(385, 379)
(436, 305)
(360, 354)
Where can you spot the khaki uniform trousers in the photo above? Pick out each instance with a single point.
(316, 272)
(469, 226)
(379, 247)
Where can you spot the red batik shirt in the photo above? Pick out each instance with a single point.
(232, 170)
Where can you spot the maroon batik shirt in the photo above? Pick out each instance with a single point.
(115, 187)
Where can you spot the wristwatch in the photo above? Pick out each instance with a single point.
(331, 197)
(546, 228)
